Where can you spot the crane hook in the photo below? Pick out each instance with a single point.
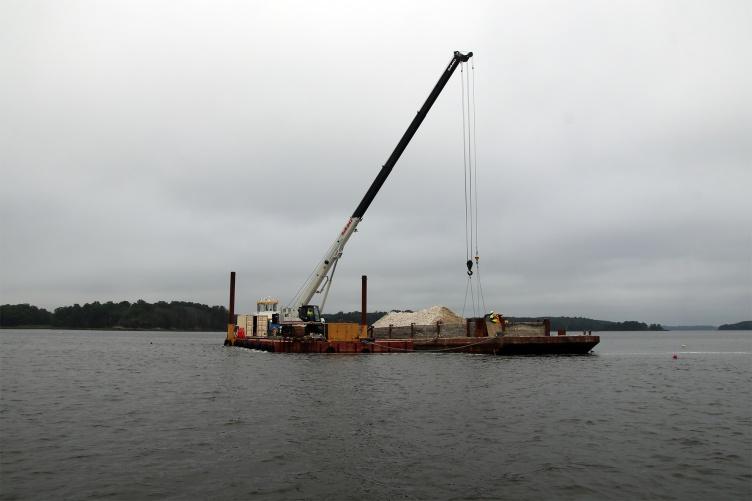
(469, 268)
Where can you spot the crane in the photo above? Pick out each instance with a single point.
(320, 280)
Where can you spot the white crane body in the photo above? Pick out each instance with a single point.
(300, 309)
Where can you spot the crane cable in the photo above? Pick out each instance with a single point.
(469, 160)
(467, 171)
(468, 244)
(481, 298)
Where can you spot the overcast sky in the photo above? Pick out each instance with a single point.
(148, 148)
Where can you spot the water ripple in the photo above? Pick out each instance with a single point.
(177, 415)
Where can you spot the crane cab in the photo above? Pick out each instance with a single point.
(309, 313)
(307, 322)
(305, 313)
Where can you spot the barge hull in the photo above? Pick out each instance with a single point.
(501, 345)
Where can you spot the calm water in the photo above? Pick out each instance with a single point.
(133, 415)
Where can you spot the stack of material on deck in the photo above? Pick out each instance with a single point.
(429, 316)
(525, 329)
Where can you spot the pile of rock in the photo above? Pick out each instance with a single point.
(429, 316)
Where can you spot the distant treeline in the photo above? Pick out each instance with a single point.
(354, 316)
(739, 326)
(176, 315)
(566, 323)
(690, 327)
(181, 315)
(590, 324)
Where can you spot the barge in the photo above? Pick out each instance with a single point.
(489, 335)
(299, 328)
(497, 345)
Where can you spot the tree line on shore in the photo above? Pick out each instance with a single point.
(175, 315)
(183, 315)
(566, 323)
(745, 325)
(575, 324)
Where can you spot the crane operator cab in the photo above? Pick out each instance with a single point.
(307, 323)
(309, 313)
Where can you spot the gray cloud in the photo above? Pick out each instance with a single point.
(149, 148)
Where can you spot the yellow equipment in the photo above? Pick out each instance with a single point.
(343, 331)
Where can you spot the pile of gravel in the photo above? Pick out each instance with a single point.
(429, 316)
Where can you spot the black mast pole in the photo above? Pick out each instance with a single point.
(409, 133)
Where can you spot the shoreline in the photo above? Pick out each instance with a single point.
(122, 329)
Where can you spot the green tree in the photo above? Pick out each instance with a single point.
(16, 315)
